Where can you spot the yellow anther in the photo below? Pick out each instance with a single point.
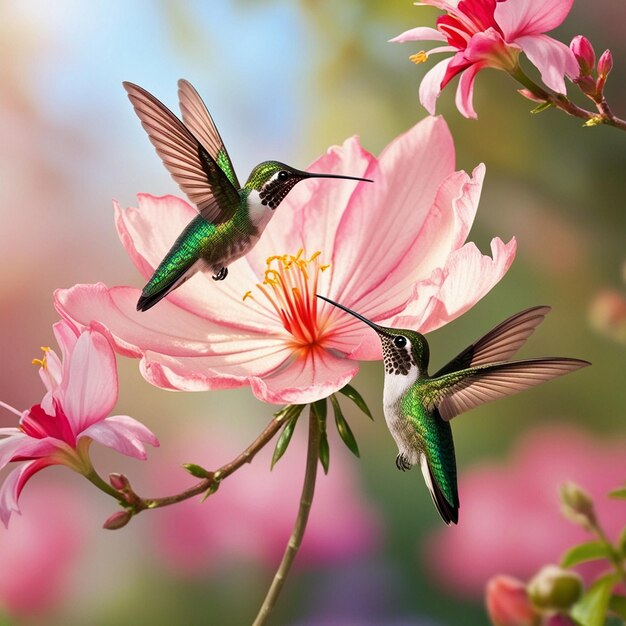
(419, 57)
(247, 295)
(323, 268)
(42, 362)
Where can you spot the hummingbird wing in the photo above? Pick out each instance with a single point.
(500, 343)
(461, 391)
(189, 163)
(198, 120)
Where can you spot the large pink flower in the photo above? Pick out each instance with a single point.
(81, 391)
(492, 33)
(393, 250)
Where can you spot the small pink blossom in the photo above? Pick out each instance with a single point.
(492, 33)
(81, 390)
(251, 515)
(508, 603)
(394, 250)
(512, 520)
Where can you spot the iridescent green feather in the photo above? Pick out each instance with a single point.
(435, 438)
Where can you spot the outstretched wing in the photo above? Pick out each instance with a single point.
(189, 163)
(500, 343)
(198, 120)
(461, 391)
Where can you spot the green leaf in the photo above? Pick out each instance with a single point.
(589, 551)
(197, 470)
(617, 605)
(542, 107)
(621, 542)
(620, 493)
(350, 392)
(344, 430)
(324, 451)
(591, 609)
(285, 438)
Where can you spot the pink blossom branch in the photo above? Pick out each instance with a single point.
(306, 499)
(604, 114)
(134, 504)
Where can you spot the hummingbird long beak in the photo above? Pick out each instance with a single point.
(371, 324)
(316, 175)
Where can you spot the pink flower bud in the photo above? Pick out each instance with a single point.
(559, 619)
(118, 481)
(584, 53)
(117, 520)
(508, 603)
(605, 64)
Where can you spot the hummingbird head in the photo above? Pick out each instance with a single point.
(403, 349)
(274, 180)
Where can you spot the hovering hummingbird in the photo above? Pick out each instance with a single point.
(418, 407)
(231, 217)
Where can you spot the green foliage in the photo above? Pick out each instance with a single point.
(541, 107)
(344, 430)
(293, 412)
(617, 605)
(591, 609)
(197, 470)
(619, 493)
(589, 551)
(320, 409)
(350, 392)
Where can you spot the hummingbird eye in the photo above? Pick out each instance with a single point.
(283, 175)
(399, 341)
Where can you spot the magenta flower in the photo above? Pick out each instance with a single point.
(512, 520)
(81, 391)
(492, 33)
(394, 250)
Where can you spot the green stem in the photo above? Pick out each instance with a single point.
(604, 115)
(615, 556)
(135, 504)
(306, 499)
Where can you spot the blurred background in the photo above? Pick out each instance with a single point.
(285, 80)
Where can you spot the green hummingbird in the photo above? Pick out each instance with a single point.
(231, 217)
(418, 407)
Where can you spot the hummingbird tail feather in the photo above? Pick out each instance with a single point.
(449, 513)
(153, 293)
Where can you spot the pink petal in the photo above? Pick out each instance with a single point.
(167, 328)
(91, 385)
(444, 230)
(467, 277)
(305, 380)
(123, 434)
(465, 91)
(552, 58)
(430, 87)
(148, 231)
(421, 33)
(14, 483)
(14, 443)
(387, 218)
(204, 373)
(530, 17)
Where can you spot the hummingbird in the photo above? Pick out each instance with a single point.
(418, 407)
(230, 217)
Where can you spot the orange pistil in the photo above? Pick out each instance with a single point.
(290, 285)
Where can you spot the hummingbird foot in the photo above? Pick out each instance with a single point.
(221, 275)
(402, 462)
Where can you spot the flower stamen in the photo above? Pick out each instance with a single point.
(419, 57)
(290, 284)
(42, 362)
